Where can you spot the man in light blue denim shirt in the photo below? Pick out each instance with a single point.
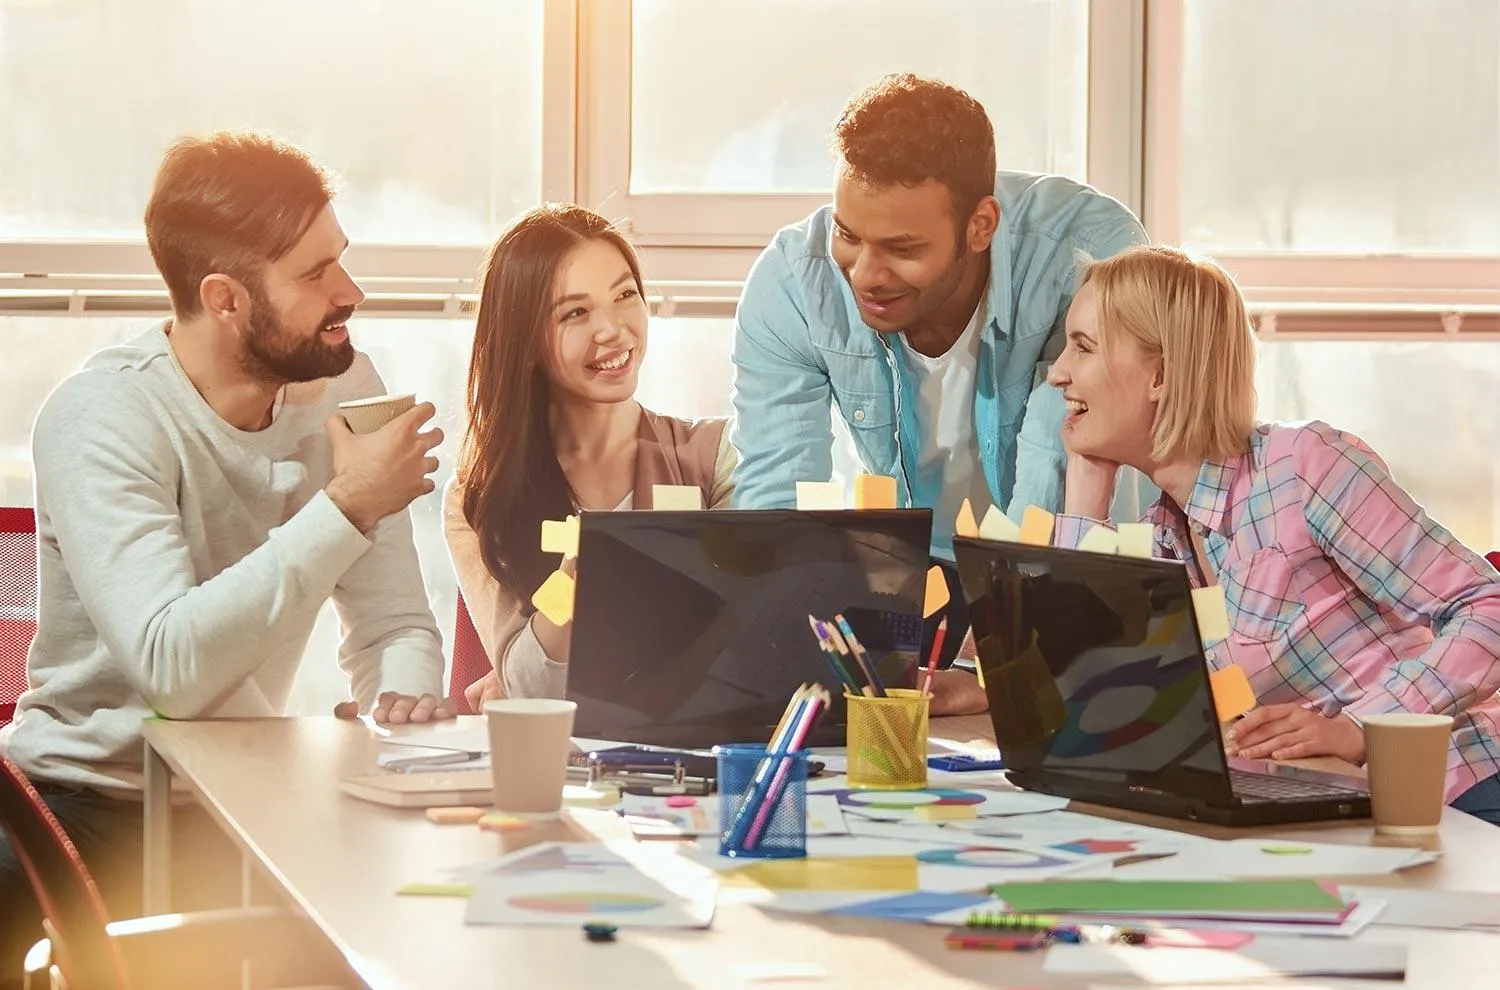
(925, 303)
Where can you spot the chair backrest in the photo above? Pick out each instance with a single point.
(17, 602)
(470, 662)
(70, 901)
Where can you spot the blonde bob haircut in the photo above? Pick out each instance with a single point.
(1189, 313)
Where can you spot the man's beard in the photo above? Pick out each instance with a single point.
(275, 354)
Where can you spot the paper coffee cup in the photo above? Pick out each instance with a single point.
(369, 415)
(1406, 757)
(530, 739)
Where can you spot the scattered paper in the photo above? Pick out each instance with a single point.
(997, 526)
(1135, 539)
(1271, 858)
(653, 817)
(1211, 612)
(678, 498)
(554, 598)
(560, 536)
(1448, 909)
(874, 491)
(1231, 689)
(1036, 527)
(1100, 539)
(816, 495)
(937, 592)
(1265, 958)
(965, 524)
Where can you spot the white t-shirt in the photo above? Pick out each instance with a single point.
(948, 461)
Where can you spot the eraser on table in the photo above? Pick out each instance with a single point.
(1135, 539)
(936, 598)
(680, 498)
(814, 495)
(494, 821)
(996, 525)
(1100, 539)
(874, 491)
(560, 536)
(455, 816)
(966, 524)
(1036, 526)
(681, 801)
(554, 598)
(1231, 690)
(1212, 614)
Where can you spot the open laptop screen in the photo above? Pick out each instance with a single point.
(1093, 667)
(690, 628)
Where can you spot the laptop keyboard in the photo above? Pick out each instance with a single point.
(1263, 787)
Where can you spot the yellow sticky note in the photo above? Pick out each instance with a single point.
(937, 592)
(1100, 539)
(680, 498)
(966, 524)
(814, 495)
(560, 536)
(1213, 616)
(947, 812)
(1036, 527)
(554, 598)
(996, 525)
(1231, 691)
(1135, 539)
(874, 491)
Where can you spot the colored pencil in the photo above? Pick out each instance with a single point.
(861, 655)
(937, 650)
(800, 733)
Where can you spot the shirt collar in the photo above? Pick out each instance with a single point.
(1208, 504)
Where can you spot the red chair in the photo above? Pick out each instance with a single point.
(1494, 558)
(84, 949)
(470, 662)
(17, 603)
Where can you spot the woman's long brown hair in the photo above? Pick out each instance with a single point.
(508, 472)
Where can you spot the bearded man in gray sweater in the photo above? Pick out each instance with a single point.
(199, 498)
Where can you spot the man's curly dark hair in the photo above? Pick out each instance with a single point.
(906, 130)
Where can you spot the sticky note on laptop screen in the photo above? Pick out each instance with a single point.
(996, 525)
(1135, 539)
(937, 592)
(1211, 612)
(1036, 526)
(560, 536)
(681, 498)
(554, 598)
(874, 491)
(1100, 539)
(966, 524)
(1233, 696)
(815, 495)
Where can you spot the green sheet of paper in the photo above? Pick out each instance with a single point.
(1168, 895)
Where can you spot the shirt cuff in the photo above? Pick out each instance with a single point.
(527, 671)
(1069, 531)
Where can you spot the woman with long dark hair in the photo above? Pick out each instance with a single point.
(553, 427)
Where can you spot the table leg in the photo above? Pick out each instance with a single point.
(157, 863)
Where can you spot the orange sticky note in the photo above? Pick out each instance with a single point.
(1231, 691)
(946, 812)
(996, 525)
(1100, 539)
(560, 536)
(455, 816)
(554, 598)
(1212, 615)
(937, 592)
(874, 491)
(679, 498)
(813, 495)
(1036, 527)
(1135, 539)
(966, 524)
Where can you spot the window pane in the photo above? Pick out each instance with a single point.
(754, 116)
(434, 129)
(1342, 125)
(1439, 440)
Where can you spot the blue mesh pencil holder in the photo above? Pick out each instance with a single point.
(762, 803)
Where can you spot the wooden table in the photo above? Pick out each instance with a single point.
(271, 785)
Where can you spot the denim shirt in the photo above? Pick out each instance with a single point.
(800, 345)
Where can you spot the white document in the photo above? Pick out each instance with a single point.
(653, 817)
(1265, 958)
(1451, 909)
(1275, 858)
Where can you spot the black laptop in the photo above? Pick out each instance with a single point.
(1099, 690)
(690, 628)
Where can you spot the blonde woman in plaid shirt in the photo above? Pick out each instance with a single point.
(1345, 598)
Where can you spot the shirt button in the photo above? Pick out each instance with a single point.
(859, 415)
(1209, 655)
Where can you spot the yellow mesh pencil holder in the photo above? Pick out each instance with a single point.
(887, 740)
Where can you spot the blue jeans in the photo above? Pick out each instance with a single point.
(1482, 800)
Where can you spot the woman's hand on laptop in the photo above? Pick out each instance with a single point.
(1291, 732)
(957, 692)
(398, 709)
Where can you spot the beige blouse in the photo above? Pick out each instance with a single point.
(670, 451)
